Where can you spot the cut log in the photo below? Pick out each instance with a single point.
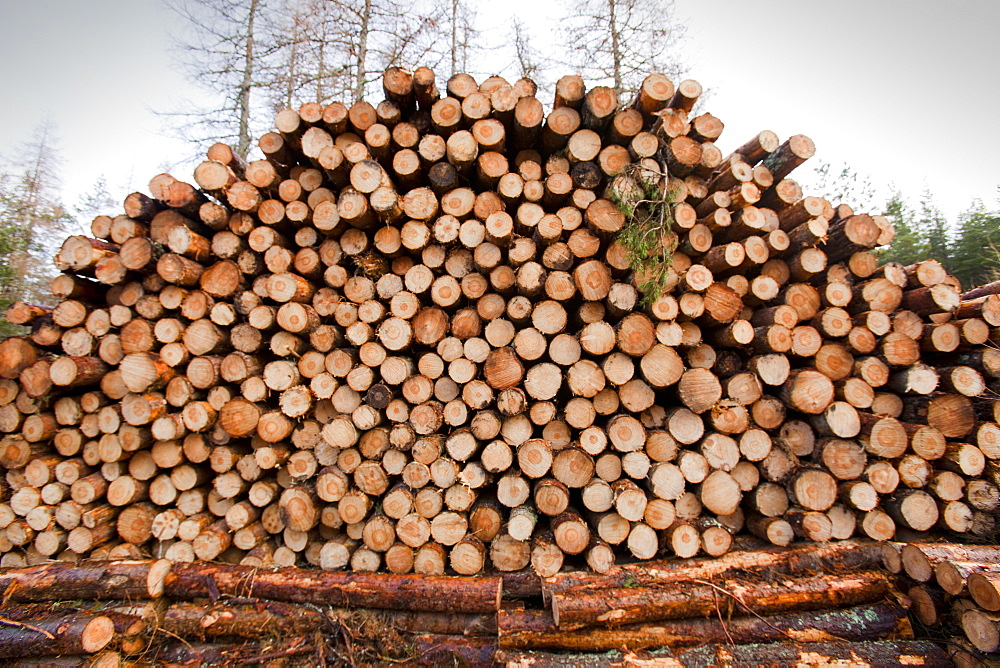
(536, 630)
(622, 606)
(394, 592)
(121, 580)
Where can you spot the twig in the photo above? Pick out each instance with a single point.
(160, 629)
(718, 611)
(11, 622)
(291, 651)
(745, 606)
(348, 644)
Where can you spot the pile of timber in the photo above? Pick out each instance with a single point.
(953, 587)
(809, 605)
(410, 339)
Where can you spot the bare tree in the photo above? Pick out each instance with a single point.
(374, 34)
(842, 184)
(530, 61)
(619, 42)
(258, 56)
(285, 76)
(460, 19)
(220, 51)
(97, 201)
(325, 50)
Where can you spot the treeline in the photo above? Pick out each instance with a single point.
(969, 248)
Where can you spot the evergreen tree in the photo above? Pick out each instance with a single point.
(909, 245)
(33, 222)
(13, 249)
(933, 227)
(975, 258)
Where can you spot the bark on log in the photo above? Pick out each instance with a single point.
(251, 619)
(122, 580)
(397, 592)
(885, 652)
(834, 557)
(73, 634)
(535, 630)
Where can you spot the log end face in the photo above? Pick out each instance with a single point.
(157, 577)
(97, 634)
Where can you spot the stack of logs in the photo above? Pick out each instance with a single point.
(953, 586)
(410, 339)
(810, 605)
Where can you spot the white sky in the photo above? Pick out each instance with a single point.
(902, 90)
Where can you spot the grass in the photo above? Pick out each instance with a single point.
(647, 236)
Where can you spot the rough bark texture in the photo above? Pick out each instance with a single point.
(365, 590)
(574, 609)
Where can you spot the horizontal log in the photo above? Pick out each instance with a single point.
(72, 634)
(250, 619)
(575, 609)
(536, 630)
(87, 580)
(834, 557)
(874, 653)
(366, 590)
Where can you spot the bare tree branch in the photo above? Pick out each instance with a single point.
(619, 42)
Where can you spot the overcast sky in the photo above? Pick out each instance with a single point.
(902, 90)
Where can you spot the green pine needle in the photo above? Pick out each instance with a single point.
(647, 235)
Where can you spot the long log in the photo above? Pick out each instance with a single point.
(876, 653)
(767, 655)
(535, 629)
(243, 619)
(364, 590)
(574, 609)
(186, 653)
(833, 557)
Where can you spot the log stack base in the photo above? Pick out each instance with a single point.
(825, 601)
